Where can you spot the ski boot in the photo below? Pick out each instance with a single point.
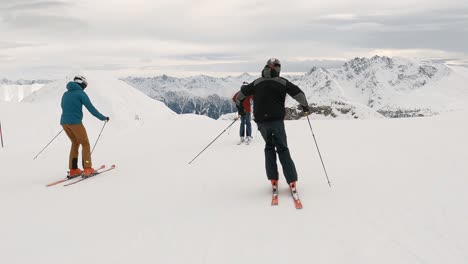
(274, 187)
(297, 201)
(74, 173)
(89, 172)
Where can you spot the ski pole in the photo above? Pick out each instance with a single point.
(237, 118)
(326, 174)
(98, 137)
(1, 134)
(48, 144)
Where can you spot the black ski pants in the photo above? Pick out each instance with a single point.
(274, 134)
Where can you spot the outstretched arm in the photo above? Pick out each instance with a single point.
(297, 94)
(87, 103)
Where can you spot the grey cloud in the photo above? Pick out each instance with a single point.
(107, 67)
(210, 56)
(39, 15)
(253, 66)
(454, 62)
(13, 45)
(238, 62)
(4, 57)
(303, 66)
(246, 38)
(28, 5)
(444, 60)
(447, 40)
(443, 29)
(48, 23)
(441, 17)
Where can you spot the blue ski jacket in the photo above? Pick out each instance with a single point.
(72, 102)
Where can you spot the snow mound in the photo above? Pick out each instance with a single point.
(124, 105)
(16, 93)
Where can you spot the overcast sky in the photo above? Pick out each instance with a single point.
(47, 39)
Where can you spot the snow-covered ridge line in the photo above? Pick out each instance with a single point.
(23, 82)
(367, 87)
(16, 91)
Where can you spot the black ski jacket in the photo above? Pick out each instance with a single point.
(269, 95)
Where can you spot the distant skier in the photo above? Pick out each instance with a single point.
(246, 125)
(269, 93)
(71, 121)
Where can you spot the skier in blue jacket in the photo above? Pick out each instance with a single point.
(71, 121)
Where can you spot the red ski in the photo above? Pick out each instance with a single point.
(92, 175)
(70, 178)
(295, 195)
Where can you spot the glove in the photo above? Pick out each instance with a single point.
(305, 109)
(241, 111)
(107, 119)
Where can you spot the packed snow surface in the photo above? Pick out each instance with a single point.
(398, 188)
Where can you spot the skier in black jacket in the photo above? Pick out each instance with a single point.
(269, 93)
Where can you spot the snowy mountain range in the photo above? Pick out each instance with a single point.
(203, 95)
(361, 88)
(392, 87)
(374, 87)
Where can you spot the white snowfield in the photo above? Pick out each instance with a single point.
(398, 188)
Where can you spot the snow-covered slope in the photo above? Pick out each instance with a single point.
(398, 196)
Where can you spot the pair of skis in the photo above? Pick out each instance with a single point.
(79, 178)
(292, 188)
(102, 169)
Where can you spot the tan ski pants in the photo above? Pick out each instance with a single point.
(78, 136)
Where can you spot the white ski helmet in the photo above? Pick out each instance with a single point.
(274, 64)
(81, 80)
